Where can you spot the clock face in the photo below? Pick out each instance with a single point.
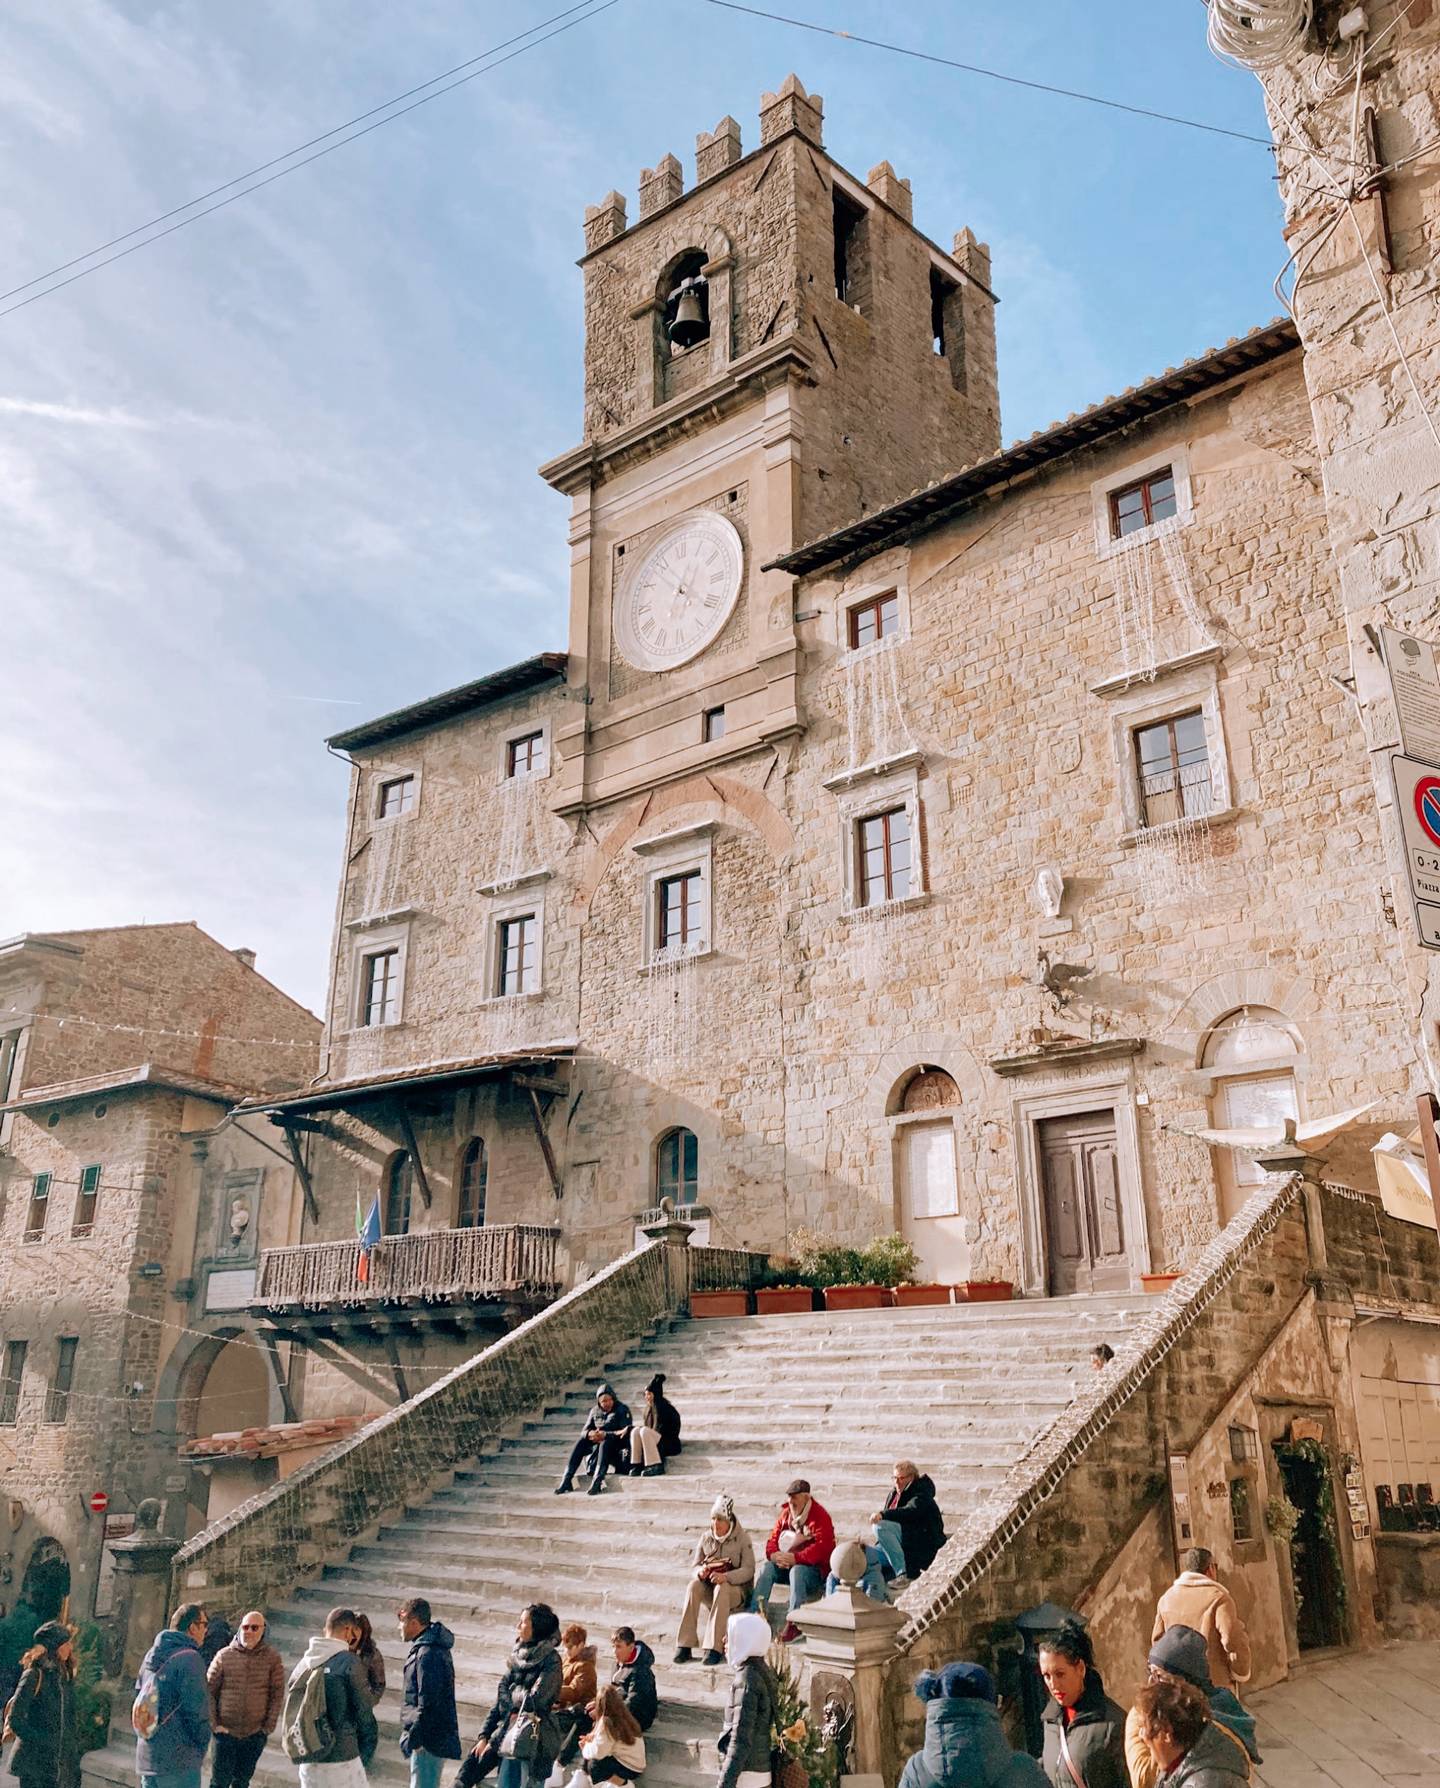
(680, 594)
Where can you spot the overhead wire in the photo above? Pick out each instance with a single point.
(594, 10)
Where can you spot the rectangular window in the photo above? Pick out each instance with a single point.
(883, 845)
(9, 1051)
(878, 618)
(39, 1207)
(10, 1384)
(850, 269)
(86, 1201)
(678, 910)
(380, 988)
(713, 725)
(57, 1404)
(526, 756)
(516, 956)
(1172, 761)
(1242, 1509)
(396, 797)
(1137, 505)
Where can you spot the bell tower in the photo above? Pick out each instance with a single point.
(767, 357)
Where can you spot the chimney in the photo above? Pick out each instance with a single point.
(660, 185)
(717, 149)
(792, 108)
(244, 956)
(887, 186)
(605, 221)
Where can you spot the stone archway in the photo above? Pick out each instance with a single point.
(45, 1585)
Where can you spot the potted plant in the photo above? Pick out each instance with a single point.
(908, 1294)
(782, 1295)
(719, 1303)
(985, 1291)
(855, 1278)
(1162, 1281)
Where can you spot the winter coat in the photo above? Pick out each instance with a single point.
(1195, 1600)
(966, 1748)
(43, 1719)
(817, 1539)
(922, 1528)
(579, 1684)
(347, 1705)
(247, 1689)
(1215, 1760)
(178, 1742)
(735, 1552)
(636, 1683)
(372, 1666)
(746, 1737)
(664, 1418)
(530, 1684)
(1096, 1737)
(428, 1721)
(616, 1421)
(601, 1743)
(1225, 1712)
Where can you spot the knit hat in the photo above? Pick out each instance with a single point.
(927, 1686)
(723, 1508)
(1183, 1652)
(52, 1635)
(657, 1383)
(967, 1682)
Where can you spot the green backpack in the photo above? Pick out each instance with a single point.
(307, 1732)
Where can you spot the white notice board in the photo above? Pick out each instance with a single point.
(1417, 799)
(1415, 687)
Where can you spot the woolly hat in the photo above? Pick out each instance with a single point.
(52, 1635)
(967, 1682)
(723, 1508)
(657, 1383)
(1182, 1651)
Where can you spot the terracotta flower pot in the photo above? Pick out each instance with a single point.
(1158, 1282)
(857, 1297)
(985, 1291)
(784, 1300)
(908, 1296)
(719, 1303)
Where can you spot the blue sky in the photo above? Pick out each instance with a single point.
(276, 474)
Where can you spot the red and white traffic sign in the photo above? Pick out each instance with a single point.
(1417, 801)
(99, 1501)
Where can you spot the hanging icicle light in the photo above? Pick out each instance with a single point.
(1257, 34)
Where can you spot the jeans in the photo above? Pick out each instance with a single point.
(887, 1550)
(609, 1454)
(234, 1760)
(804, 1581)
(425, 1769)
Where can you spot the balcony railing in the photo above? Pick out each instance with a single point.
(503, 1260)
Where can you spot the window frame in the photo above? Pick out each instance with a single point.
(57, 1395)
(12, 1381)
(41, 1187)
(883, 819)
(1193, 684)
(1116, 483)
(1176, 769)
(398, 1160)
(542, 756)
(529, 939)
(401, 779)
(83, 1224)
(12, 1065)
(521, 904)
(861, 596)
(376, 940)
(681, 1179)
(473, 1150)
(713, 725)
(687, 851)
(867, 799)
(379, 1006)
(1142, 486)
(873, 606)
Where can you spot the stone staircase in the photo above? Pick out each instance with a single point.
(963, 1390)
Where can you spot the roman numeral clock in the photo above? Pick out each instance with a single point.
(678, 595)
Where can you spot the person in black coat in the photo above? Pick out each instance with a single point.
(656, 1436)
(429, 1725)
(1084, 1728)
(908, 1531)
(607, 1429)
(635, 1676)
(43, 1715)
(529, 1686)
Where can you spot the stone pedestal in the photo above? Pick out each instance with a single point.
(673, 1235)
(142, 1585)
(851, 1643)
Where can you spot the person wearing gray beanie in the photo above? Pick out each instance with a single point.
(964, 1744)
(722, 1573)
(1181, 1654)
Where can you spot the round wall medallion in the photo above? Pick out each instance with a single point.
(680, 593)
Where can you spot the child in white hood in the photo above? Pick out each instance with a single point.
(750, 1712)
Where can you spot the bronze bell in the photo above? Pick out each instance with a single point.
(689, 323)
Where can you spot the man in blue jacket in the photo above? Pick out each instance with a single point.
(429, 1724)
(173, 1753)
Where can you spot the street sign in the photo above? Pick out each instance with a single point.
(1415, 688)
(99, 1502)
(1417, 799)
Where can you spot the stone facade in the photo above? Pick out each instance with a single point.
(125, 1198)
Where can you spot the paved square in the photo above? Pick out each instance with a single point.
(1358, 1721)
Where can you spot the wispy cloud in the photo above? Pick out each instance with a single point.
(74, 414)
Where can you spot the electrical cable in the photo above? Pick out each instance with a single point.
(294, 166)
(1257, 34)
(993, 74)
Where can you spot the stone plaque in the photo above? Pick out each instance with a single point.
(230, 1288)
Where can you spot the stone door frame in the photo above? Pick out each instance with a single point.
(1114, 1090)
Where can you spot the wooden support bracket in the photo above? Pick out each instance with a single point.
(392, 1353)
(302, 1173)
(538, 1117)
(407, 1130)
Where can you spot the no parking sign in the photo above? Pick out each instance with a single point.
(1417, 799)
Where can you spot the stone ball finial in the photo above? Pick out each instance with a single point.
(667, 1206)
(849, 1563)
(147, 1516)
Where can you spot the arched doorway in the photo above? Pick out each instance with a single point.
(927, 1191)
(1316, 1566)
(46, 1583)
(230, 1392)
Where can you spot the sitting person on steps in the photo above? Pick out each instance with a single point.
(656, 1436)
(579, 1685)
(615, 1749)
(634, 1676)
(907, 1533)
(607, 1428)
(721, 1577)
(797, 1551)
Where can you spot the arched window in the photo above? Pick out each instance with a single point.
(1251, 1054)
(929, 1089)
(399, 1189)
(686, 301)
(677, 1167)
(470, 1184)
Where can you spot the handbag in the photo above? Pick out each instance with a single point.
(521, 1738)
(787, 1772)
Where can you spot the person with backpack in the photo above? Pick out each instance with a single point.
(171, 1714)
(328, 1726)
(247, 1691)
(41, 1713)
(429, 1724)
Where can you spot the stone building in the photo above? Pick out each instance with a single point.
(132, 1215)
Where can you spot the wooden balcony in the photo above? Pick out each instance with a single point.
(457, 1278)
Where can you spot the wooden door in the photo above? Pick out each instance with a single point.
(1084, 1221)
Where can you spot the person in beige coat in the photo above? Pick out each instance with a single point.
(721, 1577)
(1196, 1599)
